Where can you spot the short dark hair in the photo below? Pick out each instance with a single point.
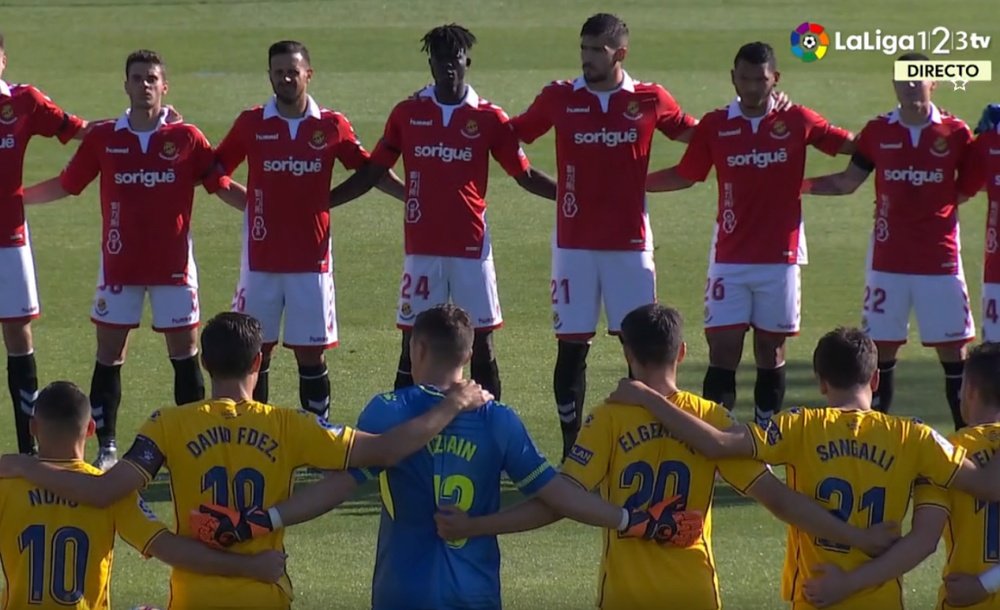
(756, 53)
(606, 24)
(448, 332)
(229, 344)
(63, 406)
(845, 358)
(913, 56)
(144, 56)
(287, 47)
(448, 40)
(982, 371)
(653, 334)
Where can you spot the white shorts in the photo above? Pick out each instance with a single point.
(308, 301)
(18, 286)
(766, 297)
(941, 303)
(991, 313)
(624, 280)
(469, 283)
(174, 307)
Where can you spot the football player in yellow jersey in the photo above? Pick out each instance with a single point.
(973, 536)
(858, 462)
(627, 454)
(234, 452)
(56, 553)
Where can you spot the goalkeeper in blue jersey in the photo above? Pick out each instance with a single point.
(461, 467)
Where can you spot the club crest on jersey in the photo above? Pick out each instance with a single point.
(779, 131)
(318, 140)
(101, 307)
(853, 425)
(471, 129)
(406, 311)
(940, 147)
(169, 151)
(7, 115)
(632, 111)
(556, 321)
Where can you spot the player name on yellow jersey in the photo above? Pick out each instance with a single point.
(859, 450)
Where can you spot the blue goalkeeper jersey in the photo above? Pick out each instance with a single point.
(414, 568)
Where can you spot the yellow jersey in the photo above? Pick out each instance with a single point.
(862, 465)
(626, 452)
(240, 455)
(972, 537)
(57, 554)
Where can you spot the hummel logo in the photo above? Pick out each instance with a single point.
(267, 136)
(417, 123)
(577, 109)
(116, 151)
(731, 132)
(895, 146)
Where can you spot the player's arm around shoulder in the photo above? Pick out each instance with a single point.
(391, 447)
(98, 490)
(705, 438)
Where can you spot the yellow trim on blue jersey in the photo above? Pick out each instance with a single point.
(534, 475)
(432, 392)
(383, 488)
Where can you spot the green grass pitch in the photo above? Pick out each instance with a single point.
(366, 56)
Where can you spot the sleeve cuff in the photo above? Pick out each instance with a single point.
(145, 548)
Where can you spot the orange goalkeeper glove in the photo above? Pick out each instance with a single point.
(221, 526)
(666, 523)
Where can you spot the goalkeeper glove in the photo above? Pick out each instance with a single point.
(666, 523)
(990, 118)
(222, 527)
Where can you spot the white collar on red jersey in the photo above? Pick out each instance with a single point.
(734, 111)
(471, 97)
(122, 122)
(271, 109)
(935, 115)
(627, 84)
(4, 89)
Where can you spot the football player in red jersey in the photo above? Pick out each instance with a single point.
(919, 155)
(149, 169)
(445, 134)
(603, 245)
(291, 145)
(24, 112)
(759, 155)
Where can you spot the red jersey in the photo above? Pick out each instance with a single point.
(445, 152)
(917, 182)
(759, 164)
(147, 191)
(602, 153)
(24, 112)
(984, 168)
(290, 163)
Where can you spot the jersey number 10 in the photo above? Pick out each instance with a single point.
(67, 555)
(247, 487)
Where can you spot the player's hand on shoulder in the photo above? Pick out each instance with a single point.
(781, 101)
(468, 395)
(964, 590)
(453, 523)
(632, 392)
(666, 522)
(13, 464)
(828, 586)
(268, 566)
(878, 538)
(172, 115)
